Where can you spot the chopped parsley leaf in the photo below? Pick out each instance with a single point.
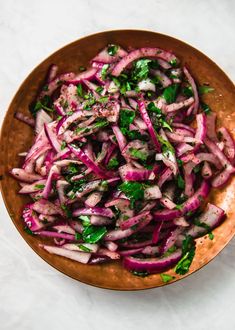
(112, 50)
(188, 249)
(205, 90)
(39, 186)
(166, 278)
(113, 163)
(170, 93)
(84, 248)
(93, 234)
(104, 71)
(138, 154)
(206, 109)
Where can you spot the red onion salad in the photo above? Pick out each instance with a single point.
(116, 170)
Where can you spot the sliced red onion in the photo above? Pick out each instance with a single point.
(129, 173)
(166, 175)
(93, 199)
(152, 192)
(98, 220)
(93, 248)
(52, 72)
(25, 119)
(156, 232)
(166, 215)
(164, 80)
(105, 212)
(213, 216)
(153, 265)
(130, 252)
(31, 219)
(210, 126)
(34, 187)
(88, 162)
(120, 137)
(111, 246)
(135, 220)
(229, 149)
(54, 84)
(146, 85)
(85, 75)
(146, 119)
(177, 106)
(45, 207)
(196, 200)
(194, 89)
(206, 171)
(105, 57)
(82, 257)
(22, 175)
(41, 118)
(139, 53)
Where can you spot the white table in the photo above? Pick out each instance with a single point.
(32, 294)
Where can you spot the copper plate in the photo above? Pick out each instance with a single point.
(17, 137)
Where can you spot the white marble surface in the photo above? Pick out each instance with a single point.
(32, 294)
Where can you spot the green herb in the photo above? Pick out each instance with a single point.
(99, 90)
(133, 190)
(80, 90)
(126, 118)
(166, 146)
(67, 211)
(188, 250)
(90, 101)
(180, 182)
(160, 120)
(39, 186)
(85, 220)
(138, 154)
(189, 213)
(170, 251)
(125, 217)
(78, 236)
(93, 234)
(180, 162)
(205, 89)
(197, 168)
(133, 135)
(116, 81)
(82, 68)
(113, 163)
(152, 107)
(211, 235)
(69, 113)
(206, 109)
(173, 62)
(73, 168)
(59, 117)
(45, 88)
(63, 145)
(84, 248)
(112, 50)
(28, 231)
(104, 71)
(103, 99)
(170, 93)
(205, 226)
(178, 206)
(43, 103)
(140, 69)
(166, 278)
(101, 124)
(140, 274)
(187, 91)
(104, 185)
